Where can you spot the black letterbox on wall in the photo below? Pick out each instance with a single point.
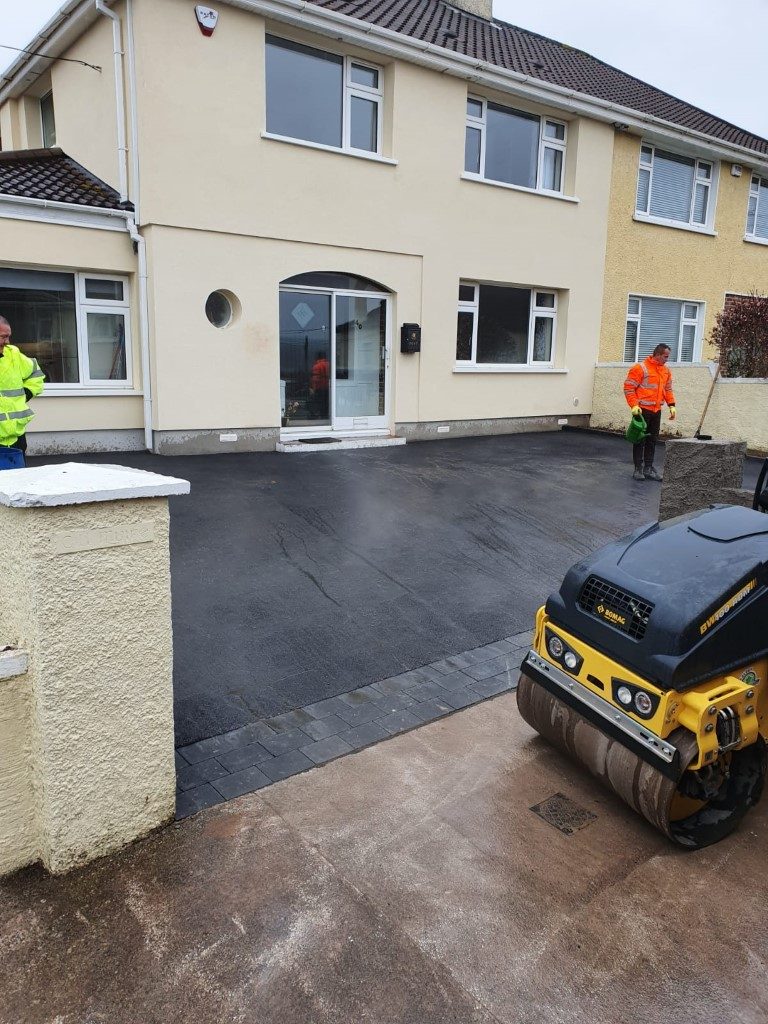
(410, 338)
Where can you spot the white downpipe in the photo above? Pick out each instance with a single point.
(136, 237)
(117, 52)
(141, 252)
(133, 107)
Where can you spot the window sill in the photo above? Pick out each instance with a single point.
(755, 240)
(78, 391)
(519, 188)
(507, 368)
(330, 149)
(643, 218)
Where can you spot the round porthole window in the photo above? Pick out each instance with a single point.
(220, 308)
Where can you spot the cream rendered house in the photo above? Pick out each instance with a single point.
(349, 219)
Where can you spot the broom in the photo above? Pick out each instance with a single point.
(698, 435)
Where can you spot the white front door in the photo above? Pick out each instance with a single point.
(360, 358)
(334, 360)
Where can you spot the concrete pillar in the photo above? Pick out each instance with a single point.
(84, 554)
(701, 473)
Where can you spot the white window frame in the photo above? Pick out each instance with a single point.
(349, 89)
(697, 322)
(45, 96)
(85, 384)
(534, 311)
(755, 182)
(545, 142)
(473, 307)
(700, 177)
(374, 95)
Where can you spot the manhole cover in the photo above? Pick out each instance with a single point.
(319, 440)
(563, 813)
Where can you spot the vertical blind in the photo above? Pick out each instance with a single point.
(672, 188)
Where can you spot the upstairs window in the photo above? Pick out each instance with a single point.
(653, 321)
(514, 147)
(757, 211)
(77, 326)
(505, 326)
(47, 121)
(674, 188)
(323, 98)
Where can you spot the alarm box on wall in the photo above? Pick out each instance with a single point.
(410, 338)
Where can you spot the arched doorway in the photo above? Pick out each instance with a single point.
(334, 354)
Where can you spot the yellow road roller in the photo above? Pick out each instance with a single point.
(650, 668)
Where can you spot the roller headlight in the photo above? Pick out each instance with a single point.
(570, 660)
(555, 646)
(643, 702)
(624, 695)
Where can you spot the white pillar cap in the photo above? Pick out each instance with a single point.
(75, 483)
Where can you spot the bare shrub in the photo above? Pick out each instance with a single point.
(741, 336)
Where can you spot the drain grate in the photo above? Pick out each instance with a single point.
(319, 440)
(563, 813)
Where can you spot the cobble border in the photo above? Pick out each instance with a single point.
(224, 767)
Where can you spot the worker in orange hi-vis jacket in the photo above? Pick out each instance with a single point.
(647, 387)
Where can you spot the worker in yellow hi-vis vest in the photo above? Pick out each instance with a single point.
(20, 380)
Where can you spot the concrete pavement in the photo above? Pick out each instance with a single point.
(409, 883)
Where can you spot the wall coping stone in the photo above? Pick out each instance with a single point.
(13, 663)
(74, 483)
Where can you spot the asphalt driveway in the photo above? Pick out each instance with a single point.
(300, 577)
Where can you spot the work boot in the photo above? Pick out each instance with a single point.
(651, 474)
(638, 474)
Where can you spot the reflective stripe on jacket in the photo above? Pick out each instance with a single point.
(18, 374)
(649, 385)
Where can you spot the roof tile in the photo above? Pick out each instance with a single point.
(52, 175)
(516, 49)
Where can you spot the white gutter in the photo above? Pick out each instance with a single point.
(60, 32)
(117, 54)
(302, 14)
(51, 204)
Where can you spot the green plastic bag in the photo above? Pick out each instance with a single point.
(637, 430)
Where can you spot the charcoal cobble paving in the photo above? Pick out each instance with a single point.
(244, 757)
(327, 749)
(324, 727)
(189, 776)
(286, 765)
(197, 799)
(260, 753)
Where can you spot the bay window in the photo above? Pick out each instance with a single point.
(513, 147)
(655, 321)
(76, 325)
(323, 98)
(500, 325)
(757, 210)
(676, 188)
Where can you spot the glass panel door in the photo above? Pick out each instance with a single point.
(360, 361)
(305, 354)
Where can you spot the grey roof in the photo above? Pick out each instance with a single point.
(52, 175)
(516, 49)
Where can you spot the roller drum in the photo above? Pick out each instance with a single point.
(638, 783)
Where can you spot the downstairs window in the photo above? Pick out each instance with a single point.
(652, 322)
(500, 325)
(77, 326)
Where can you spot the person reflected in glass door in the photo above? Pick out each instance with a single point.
(318, 388)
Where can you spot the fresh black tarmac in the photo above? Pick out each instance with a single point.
(300, 577)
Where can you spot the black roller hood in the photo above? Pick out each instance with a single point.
(705, 576)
